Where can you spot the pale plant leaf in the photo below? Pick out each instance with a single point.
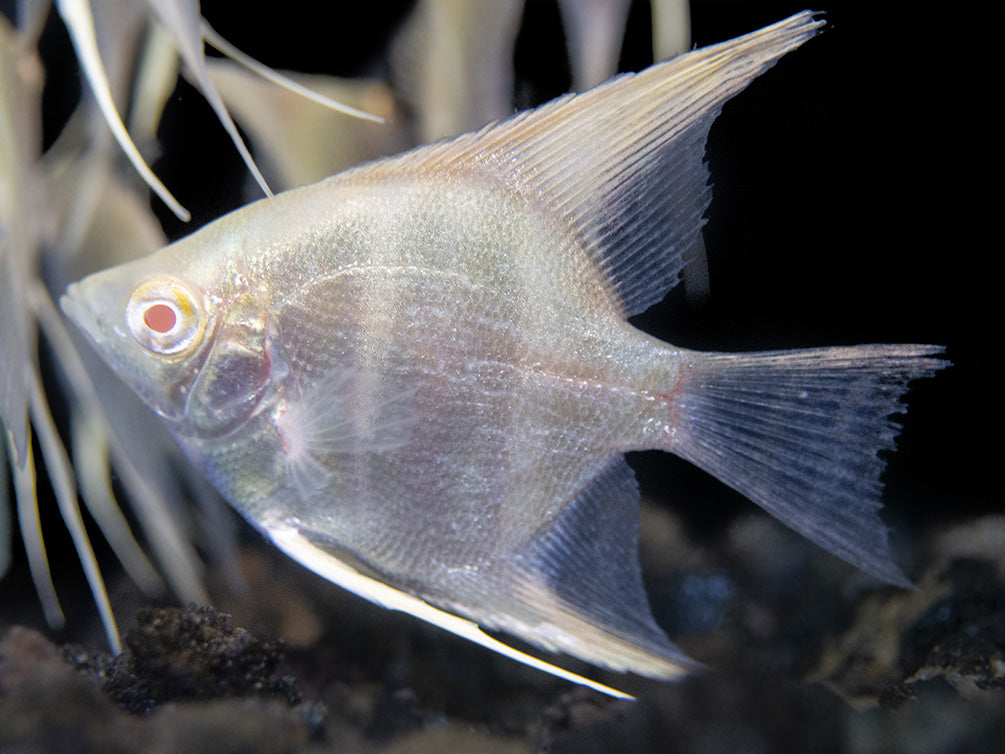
(593, 32)
(93, 465)
(6, 535)
(26, 494)
(64, 487)
(300, 142)
(173, 550)
(281, 80)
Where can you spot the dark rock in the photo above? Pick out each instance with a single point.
(49, 704)
(193, 653)
(45, 706)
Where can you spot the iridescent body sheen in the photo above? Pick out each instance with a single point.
(418, 378)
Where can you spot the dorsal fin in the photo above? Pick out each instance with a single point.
(622, 164)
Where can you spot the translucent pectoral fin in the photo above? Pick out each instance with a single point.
(291, 540)
(347, 411)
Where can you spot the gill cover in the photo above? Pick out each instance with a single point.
(242, 364)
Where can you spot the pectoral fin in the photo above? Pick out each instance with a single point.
(346, 411)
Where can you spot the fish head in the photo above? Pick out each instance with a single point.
(186, 331)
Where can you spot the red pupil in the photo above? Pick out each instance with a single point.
(160, 318)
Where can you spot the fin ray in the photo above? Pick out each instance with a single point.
(275, 77)
(182, 19)
(80, 24)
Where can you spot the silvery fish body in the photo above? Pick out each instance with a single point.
(418, 378)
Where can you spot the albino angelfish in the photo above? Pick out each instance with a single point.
(418, 379)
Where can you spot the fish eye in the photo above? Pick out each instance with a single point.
(165, 317)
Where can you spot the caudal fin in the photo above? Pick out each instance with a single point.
(799, 433)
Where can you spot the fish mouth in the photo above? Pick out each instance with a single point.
(107, 339)
(75, 307)
(93, 306)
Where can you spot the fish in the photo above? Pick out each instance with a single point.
(418, 377)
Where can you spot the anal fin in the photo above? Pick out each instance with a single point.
(577, 586)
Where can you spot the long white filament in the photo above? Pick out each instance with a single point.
(210, 35)
(80, 24)
(293, 543)
(65, 489)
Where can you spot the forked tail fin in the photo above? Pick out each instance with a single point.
(799, 433)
